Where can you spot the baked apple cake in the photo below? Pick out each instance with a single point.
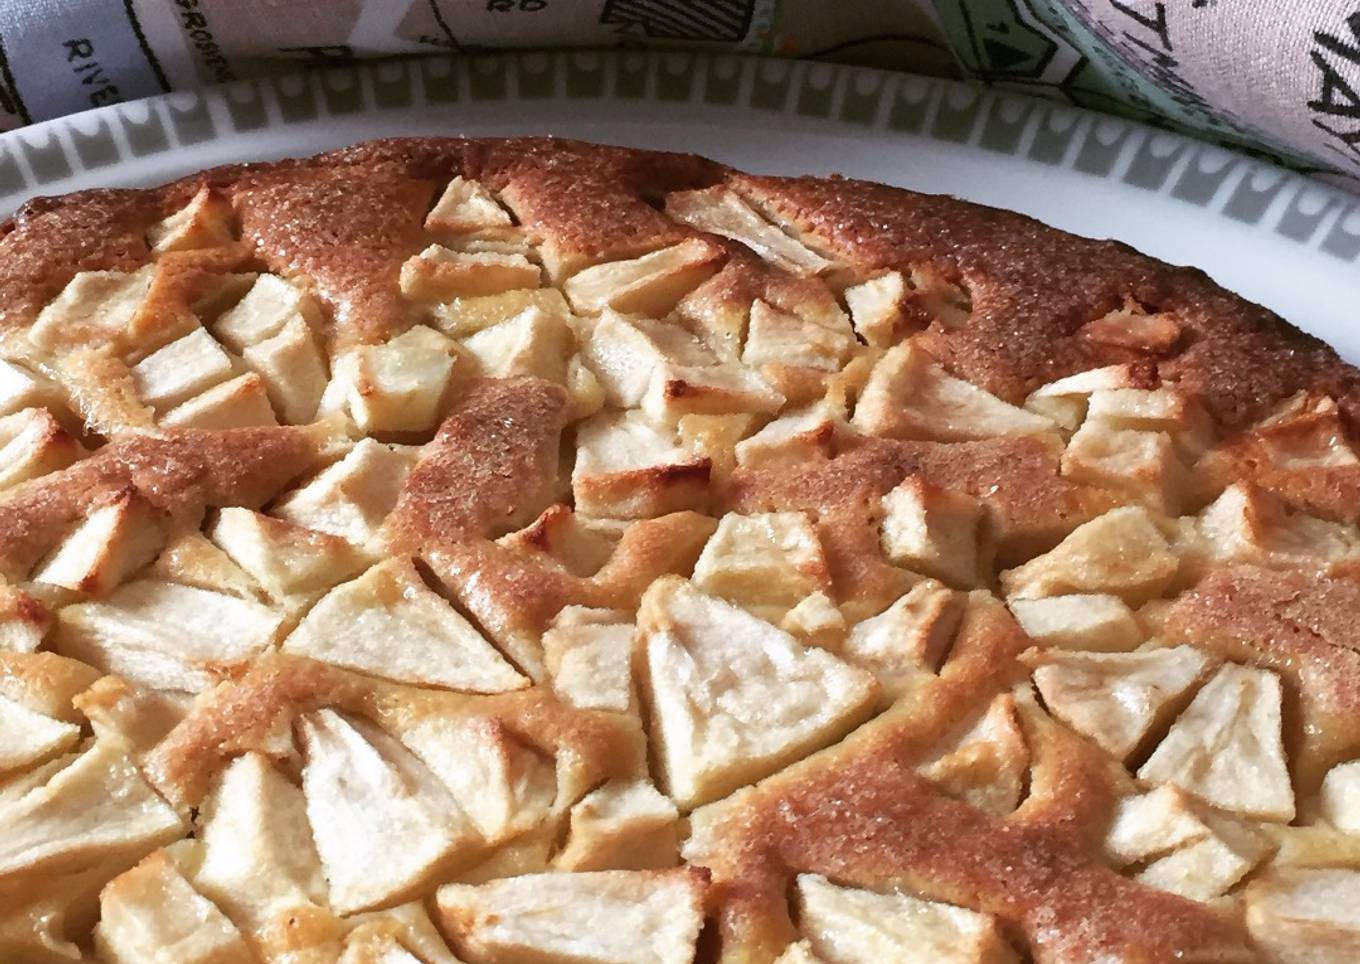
(528, 551)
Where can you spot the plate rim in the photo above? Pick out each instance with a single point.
(1211, 178)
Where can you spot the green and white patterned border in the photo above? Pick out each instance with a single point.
(42, 158)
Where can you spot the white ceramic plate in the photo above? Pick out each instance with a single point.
(1277, 238)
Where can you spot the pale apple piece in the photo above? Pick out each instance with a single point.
(33, 443)
(1212, 866)
(624, 352)
(351, 497)
(166, 636)
(1307, 431)
(587, 395)
(293, 368)
(497, 241)
(1340, 796)
(911, 636)
(713, 437)
(205, 222)
(191, 560)
(114, 541)
(1187, 848)
(800, 953)
(257, 861)
(909, 395)
(1142, 464)
(623, 825)
(1166, 409)
(46, 683)
(627, 468)
(461, 317)
(388, 623)
(284, 558)
(95, 306)
(718, 210)
(934, 531)
(847, 925)
(394, 387)
(589, 662)
(1227, 749)
(987, 765)
(1152, 824)
(24, 620)
(1121, 553)
(767, 562)
(647, 285)
(733, 699)
(1084, 621)
(816, 621)
(602, 917)
(534, 342)
(778, 336)
(1116, 698)
(1133, 327)
(875, 306)
(384, 825)
(1066, 400)
(1306, 916)
(151, 913)
(792, 439)
(407, 927)
(676, 391)
(267, 308)
(440, 274)
(504, 785)
(1245, 524)
(21, 388)
(138, 717)
(27, 738)
(182, 369)
(466, 206)
(241, 402)
(561, 534)
(94, 807)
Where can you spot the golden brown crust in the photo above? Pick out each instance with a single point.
(1026, 305)
(1033, 288)
(491, 468)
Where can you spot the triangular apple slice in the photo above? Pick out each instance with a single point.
(27, 737)
(389, 623)
(733, 698)
(257, 859)
(96, 807)
(623, 916)
(1116, 698)
(383, 824)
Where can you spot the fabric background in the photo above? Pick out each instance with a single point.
(1281, 77)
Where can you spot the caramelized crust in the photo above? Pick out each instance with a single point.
(491, 468)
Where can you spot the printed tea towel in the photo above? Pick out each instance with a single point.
(1280, 76)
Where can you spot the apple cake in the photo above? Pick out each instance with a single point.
(501, 551)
